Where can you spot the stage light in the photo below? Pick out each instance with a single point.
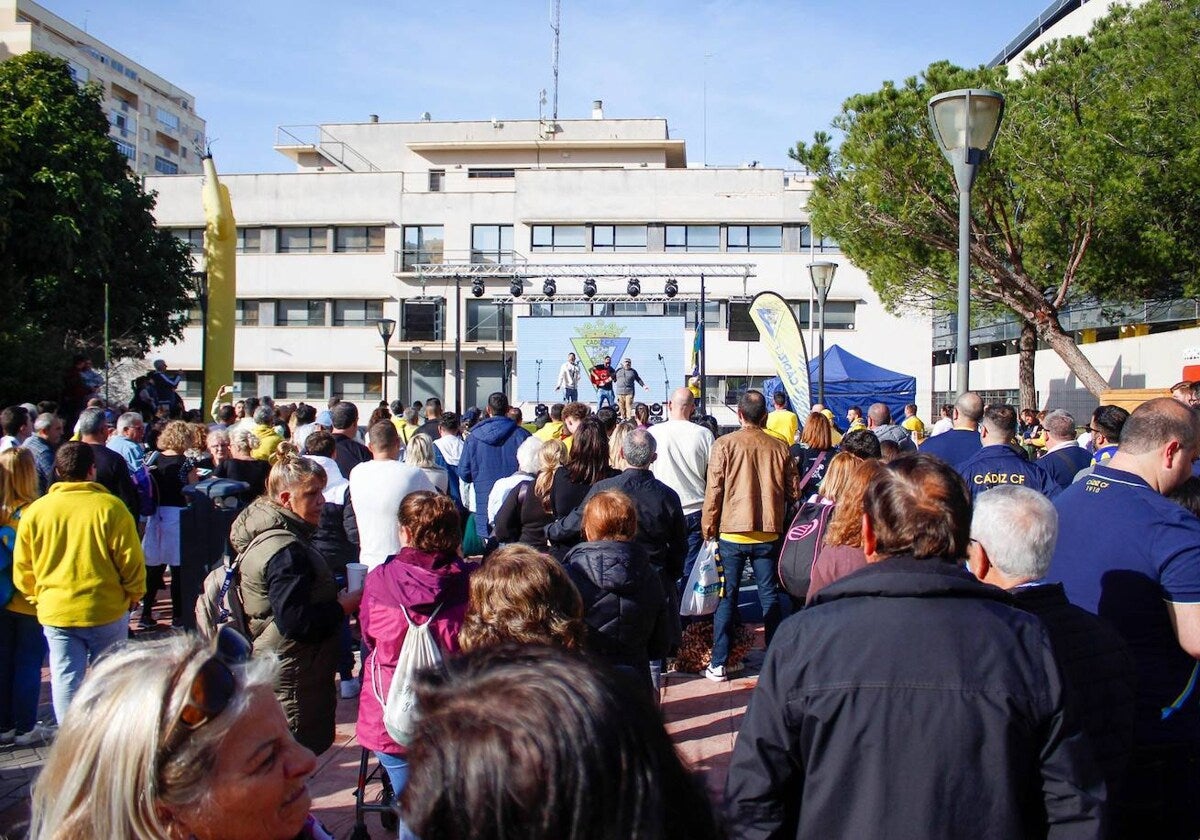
(515, 288)
(634, 288)
(477, 287)
(549, 288)
(589, 288)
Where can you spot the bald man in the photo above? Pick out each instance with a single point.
(682, 464)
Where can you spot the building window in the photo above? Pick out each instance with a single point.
(823, 244)
(165, 167)
(700, 238)
(422, 244)
(357, 386)
(754, 238)
(626, 308)
(300, 313)
(839, 314)
(249, 240)
(191, 383)
(299, 386)
(303, 240)
(566, 238)
(195, 315)
(491, 244)
(491, 173)
(437, 180)
(126, 148)
(357, 313)
(166, 118)
(192, 237)
(358, 240)
(712, 312)
(423, 378)
(619, 238)
(421, 319)
(245, 384)
(245, 313)
(78, 72)
(489, 321)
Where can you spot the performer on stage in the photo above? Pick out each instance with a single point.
(602, 378)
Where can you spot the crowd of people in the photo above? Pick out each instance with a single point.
(999, 637)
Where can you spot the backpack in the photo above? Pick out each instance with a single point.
(801, 545)
(419, 652)
(220, 603)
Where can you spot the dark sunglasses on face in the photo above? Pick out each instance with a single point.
(212, 688)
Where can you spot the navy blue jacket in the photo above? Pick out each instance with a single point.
(954, 447)
(1063, 464)
(993, 466)
(911, 700)
(489, 455)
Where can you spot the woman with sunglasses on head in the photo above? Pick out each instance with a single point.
(292, 602)
(174, 739)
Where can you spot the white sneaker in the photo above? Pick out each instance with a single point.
(37, 735)
(716, 673)
(350, 688)
(8, 737)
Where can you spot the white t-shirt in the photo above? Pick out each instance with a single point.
(943, 425)
(376, 490)
(682, 462)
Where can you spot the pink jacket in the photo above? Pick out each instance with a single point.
(420, 582)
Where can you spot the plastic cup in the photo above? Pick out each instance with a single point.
(356, 575)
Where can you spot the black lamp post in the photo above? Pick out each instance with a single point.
(821, 273)
(387, 328)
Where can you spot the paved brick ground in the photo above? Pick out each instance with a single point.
(702, 717)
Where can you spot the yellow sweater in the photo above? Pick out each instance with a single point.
(78, 557)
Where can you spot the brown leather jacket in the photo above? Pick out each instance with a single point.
(751, 481)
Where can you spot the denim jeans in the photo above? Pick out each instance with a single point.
(22, 649)
(734, 556)
(605, 395)
(397, 770)
(72, 649)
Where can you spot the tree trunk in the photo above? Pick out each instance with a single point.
(1027, 345)
(1064, 345)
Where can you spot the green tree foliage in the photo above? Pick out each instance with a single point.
(73, 217)
(1091, 191)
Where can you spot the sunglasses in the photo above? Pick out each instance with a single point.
(211, 690)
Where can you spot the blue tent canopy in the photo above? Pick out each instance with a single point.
(850, 380)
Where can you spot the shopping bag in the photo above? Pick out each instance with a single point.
(703, 590)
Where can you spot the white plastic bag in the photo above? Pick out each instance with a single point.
(418, 652)
(703, 590)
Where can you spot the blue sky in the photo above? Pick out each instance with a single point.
(776, 71)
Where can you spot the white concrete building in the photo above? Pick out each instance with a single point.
(330, 249)
(1149, 345)
(152, 121)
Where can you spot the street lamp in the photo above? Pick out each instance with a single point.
(387, 328)
(965, 124)
(821, 273)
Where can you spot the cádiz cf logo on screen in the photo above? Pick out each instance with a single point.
(597, 339)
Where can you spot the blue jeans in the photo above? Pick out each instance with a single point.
(72, 649)
(605, 395)
(762, 558)
(22, 649)
(397, 770)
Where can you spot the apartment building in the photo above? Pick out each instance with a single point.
(152, 121)
(453, 230)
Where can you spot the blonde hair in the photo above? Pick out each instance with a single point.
(838, 475)
(845, 526)
(103, 777)
(550, 458)
(176, 436)
(419, 452)
(18, 481)
(292, 470)
(616, 446)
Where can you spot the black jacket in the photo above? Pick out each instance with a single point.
(349, 453)
(1099, 673)
(912, 701)
(331, 538)
(662, 530)
(113, 472)
(624, 604)
(523, 517)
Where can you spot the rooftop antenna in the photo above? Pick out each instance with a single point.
(542, 105)
(556, 28)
